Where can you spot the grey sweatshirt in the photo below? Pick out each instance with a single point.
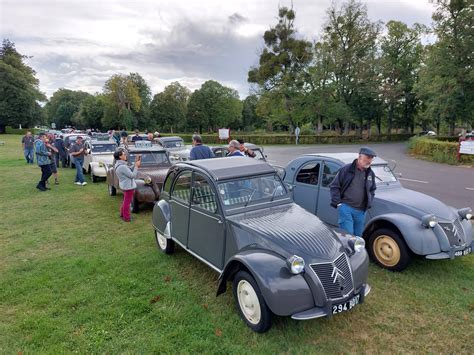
(126, 175)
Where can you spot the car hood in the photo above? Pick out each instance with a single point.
(157, 175)
(419, 203)
(105, 158)
(293, 229)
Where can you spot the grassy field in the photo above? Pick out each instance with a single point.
(74, 278)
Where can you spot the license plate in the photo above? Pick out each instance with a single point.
(466, 251)
(342, 307)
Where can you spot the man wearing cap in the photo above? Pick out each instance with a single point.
(234, 149)
(78, 151)
(352, 192)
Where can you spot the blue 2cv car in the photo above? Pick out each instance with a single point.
(401, 222)
(236, 216)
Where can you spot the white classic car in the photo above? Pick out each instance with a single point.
(100, 154)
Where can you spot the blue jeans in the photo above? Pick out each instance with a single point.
(351, 220)
(79, 175)
(29, 155)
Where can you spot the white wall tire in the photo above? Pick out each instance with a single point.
(250, 303)
(166, 245)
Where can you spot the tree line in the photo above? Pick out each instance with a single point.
(359, 74)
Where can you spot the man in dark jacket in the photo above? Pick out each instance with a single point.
(199, 150)
(352, 192)
(62, 153)
(43, 160)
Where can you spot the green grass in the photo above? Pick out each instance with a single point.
(73, 278)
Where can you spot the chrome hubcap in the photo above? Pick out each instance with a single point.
(161, 240)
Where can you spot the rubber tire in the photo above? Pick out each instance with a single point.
(169, 249)
(135, 206)
(93, 178)
(405, 255)
(266, 315)
(112, 190)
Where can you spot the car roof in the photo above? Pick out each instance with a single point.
(346, 158)
(231, 167)
(167, 139)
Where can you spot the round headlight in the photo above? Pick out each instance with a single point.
(101, 164)
(359, 244)
(296, 264)
(147, 180)
(468, 215)
(432, 223)
(429, 221)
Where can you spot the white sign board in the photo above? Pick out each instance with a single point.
(143, 144)
(467, 147)
(224, 133)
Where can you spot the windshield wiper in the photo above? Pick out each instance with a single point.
(250, 197)
(378, 178)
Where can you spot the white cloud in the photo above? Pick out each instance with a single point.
(79, 44)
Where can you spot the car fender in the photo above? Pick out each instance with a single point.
(419, 239)
(145, 193)
(161, 215)
(97, 170)
(284, 292)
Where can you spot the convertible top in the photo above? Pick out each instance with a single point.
(232, 167)
(346, 158)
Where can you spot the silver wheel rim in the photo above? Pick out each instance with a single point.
(248, 302)
(162, 242)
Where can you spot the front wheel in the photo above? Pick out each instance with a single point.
(166, 245)
(93, 177)
(388, 249)
(250, 303)
(134, 205)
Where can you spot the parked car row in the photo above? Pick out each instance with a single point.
(271, 231)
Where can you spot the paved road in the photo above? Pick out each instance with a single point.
(452, 185)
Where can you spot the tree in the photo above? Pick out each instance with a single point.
(350, 38)
(142, 115)
(19, 89)
(63, 105)
(214, 106)
(400, 64)
(250, 118)
(169, 108)
(447, 80)
(123, 99)
(282, 62)
(92, 112)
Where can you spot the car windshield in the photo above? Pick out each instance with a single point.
(150, 158)
(103, 148)
(259, 154)
(383, 174)
(173, 144)
(246, 191)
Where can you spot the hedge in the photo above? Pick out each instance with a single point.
(10, 130)
(438, 151)
(290, 139)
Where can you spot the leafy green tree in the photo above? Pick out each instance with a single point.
(142, 115)
(350, 39)
(400, 64)
(123, 100)
(91, 112)
(214, 106)
(282, 63)
(63, 105)
(169, 108)
(447, 80)
(19, 89)
(250, 119)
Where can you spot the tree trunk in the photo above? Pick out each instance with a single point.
(389, 120)
(320, 125)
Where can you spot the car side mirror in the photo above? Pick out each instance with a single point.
(289, 186)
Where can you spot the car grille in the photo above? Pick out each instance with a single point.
(454, 232)
(336, 277)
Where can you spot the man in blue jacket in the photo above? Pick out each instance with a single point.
(199, 150)
(43, 160)
(352, 192)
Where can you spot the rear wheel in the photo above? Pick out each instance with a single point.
(93, 178)
(250, 303)
(112, 190)
(388, 249)
(166, 245)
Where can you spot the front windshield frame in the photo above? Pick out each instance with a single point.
(149, 158)
(251, 191)
(383, 174)
(110, 150)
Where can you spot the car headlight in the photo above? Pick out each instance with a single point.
(101, 164)
(465, 213)
(357, 244)
(429, 221)
(295, 264)
(147, 180)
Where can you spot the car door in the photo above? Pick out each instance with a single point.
(306, 185)
(324, 210)
(179, 205)
(206, 228)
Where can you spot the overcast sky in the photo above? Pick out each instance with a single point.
(79, 44)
